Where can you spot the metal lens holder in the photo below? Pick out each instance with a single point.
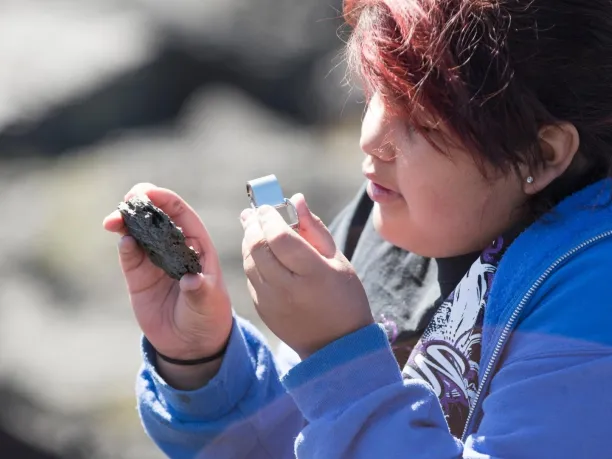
(267, 190)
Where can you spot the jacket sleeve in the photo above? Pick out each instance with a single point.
(549, 398)
(243, 412)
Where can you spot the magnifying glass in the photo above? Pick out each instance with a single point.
(267, 190)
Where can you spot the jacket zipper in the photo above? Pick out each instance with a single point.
(515, 315)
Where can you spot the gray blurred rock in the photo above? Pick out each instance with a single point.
(263, 34)
(128, 65)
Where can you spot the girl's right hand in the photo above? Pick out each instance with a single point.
(186, 319)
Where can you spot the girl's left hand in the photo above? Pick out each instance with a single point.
(304, 288)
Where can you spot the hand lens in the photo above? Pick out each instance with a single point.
(267, 190)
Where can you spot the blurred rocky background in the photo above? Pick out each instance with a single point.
(97, 95)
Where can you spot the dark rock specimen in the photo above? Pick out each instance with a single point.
(160, 238)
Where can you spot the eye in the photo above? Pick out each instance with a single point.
(420, 128)
(428, 128)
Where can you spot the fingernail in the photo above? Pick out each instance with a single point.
(191, 282)
(245, 214)
(265, 209)
(127, 244)
(303, 198)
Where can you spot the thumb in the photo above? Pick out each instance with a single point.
(194, 288)
(313, 229)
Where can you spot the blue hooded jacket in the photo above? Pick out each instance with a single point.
(545, 367)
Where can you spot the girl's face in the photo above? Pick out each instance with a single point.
(427, 202)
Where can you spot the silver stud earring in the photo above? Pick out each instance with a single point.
(529, 179)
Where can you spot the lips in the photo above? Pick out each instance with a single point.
(379, 183)
(380, 192)
(382, 188)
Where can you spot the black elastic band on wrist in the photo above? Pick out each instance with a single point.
(192, 362)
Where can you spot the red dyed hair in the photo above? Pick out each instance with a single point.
(494, 72)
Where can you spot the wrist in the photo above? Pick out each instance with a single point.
(310, 348)
(193, 348)
(187, 378)
(194, 361)
(189, 373)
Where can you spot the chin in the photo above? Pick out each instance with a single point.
(392, 230)
(396, 231)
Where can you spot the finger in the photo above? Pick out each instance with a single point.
(248, 264)
(181, 213)
(253, 293)
(191, 283)
(259, 262)
(257, 294)
(114, 223)
(246, 213)
(172, 204)
(140, 189)
(139, 271)
(313, 229)
(196, 288)
(131, 255)
(292, 250)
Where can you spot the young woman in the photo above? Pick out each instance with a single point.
(488, 132)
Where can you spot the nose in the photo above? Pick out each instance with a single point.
(374, 131)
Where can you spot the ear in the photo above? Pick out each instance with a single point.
(559, 144)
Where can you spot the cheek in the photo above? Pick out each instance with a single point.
(392, 225)
(447, 208)
(417, 221)
(446, 211)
